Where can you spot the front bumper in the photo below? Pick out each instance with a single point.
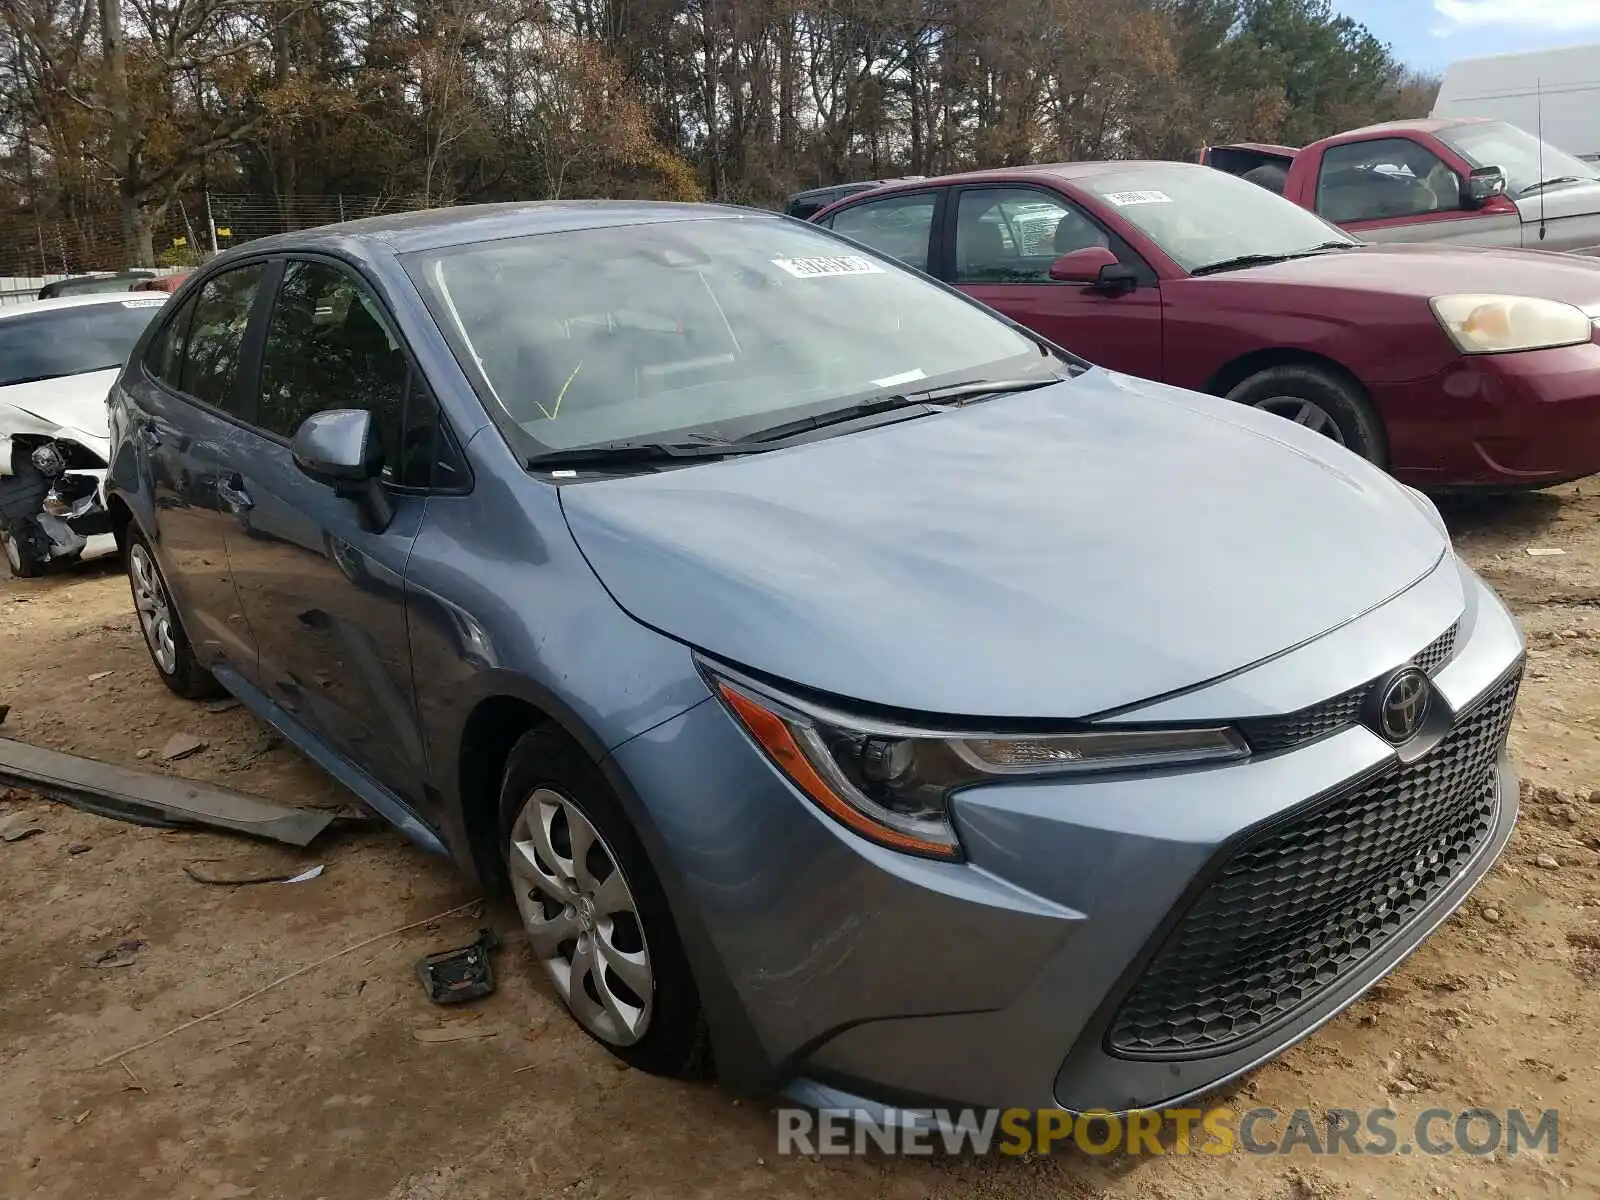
(1498, 420)
(866, 978)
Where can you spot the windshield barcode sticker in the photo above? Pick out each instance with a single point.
(812, 268)
(1127, 199)
(142, 302)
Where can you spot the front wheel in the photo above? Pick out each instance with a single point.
(22, 494)
(1323, 402)
(593, 909)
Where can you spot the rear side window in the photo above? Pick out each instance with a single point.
(198, 351)
(899, 226)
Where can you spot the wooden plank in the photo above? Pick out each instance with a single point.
(147, 798)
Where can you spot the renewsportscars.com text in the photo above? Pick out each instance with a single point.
(1434, 1132)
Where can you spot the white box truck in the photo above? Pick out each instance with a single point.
(1514, 88)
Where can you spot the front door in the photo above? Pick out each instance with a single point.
(184, 405)
(1002, 242)
(323, 592)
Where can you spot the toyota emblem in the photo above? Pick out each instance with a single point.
(1401, 704)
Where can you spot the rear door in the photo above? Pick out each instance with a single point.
(185, 405)
(1000, 242)
(324, 594)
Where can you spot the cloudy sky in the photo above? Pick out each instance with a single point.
(1429, 33)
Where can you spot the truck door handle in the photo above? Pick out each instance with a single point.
(150, 436)
(230, 490)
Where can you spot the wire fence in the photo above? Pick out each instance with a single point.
(36, 249)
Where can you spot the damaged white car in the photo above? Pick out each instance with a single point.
(58, 359)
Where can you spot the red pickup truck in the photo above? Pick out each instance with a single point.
(1449, 180)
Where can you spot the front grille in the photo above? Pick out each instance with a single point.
(1303, 904)
(1269, 734)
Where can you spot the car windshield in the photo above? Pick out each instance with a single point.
(713, 327)
(71, 340)
(1203, 217)
(1517, 153)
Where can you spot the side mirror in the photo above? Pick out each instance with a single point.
(1483, 185)
(339, 448)
(1083, 265)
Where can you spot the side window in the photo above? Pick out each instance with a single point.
(899, 226)
(164, 356)
(216, 335)
(1384, 178)
(1012, 235)
(328, 345)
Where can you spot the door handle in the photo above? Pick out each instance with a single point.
(230, 490)
(149, 435)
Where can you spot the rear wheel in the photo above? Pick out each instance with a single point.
(169, 648)
(1321, 401)
(593, 909)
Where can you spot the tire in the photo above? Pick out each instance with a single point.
(1322, 400)
(170, 651)
(22, 495)
(549, 786)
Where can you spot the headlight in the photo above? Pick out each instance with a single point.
(1501, 324)
(892, 783)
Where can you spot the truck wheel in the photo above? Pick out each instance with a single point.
(22, 494)
(1321, 401)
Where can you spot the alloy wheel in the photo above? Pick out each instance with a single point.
(1303, 412)
(155, 610)
(581, 918)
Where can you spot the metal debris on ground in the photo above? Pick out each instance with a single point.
(454, 976)
(146, 798)
(182, 745)
(1543, 551)
(222, 706)
(195, 872)
(17, 826)
(99, 675)
(120, 955)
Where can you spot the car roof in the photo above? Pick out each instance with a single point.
(28, 307)
(1041, 173)
(1419, 125)
(437, 228)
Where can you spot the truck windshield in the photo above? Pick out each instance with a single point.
(1516, 152)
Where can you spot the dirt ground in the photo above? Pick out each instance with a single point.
(322, 1087)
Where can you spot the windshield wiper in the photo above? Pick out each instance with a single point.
(835, 416)
(609, 454)
(1263, 260)
(927, 400)
(1545, 183)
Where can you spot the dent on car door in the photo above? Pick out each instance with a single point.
(323, 588)
(184, 405)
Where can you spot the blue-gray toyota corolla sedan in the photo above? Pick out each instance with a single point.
(851, 688)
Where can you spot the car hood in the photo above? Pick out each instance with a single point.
(1424, 271)
(1052, 554)
(71, 405)
(1564, 200)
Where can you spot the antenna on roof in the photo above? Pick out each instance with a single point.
(1538, 99)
